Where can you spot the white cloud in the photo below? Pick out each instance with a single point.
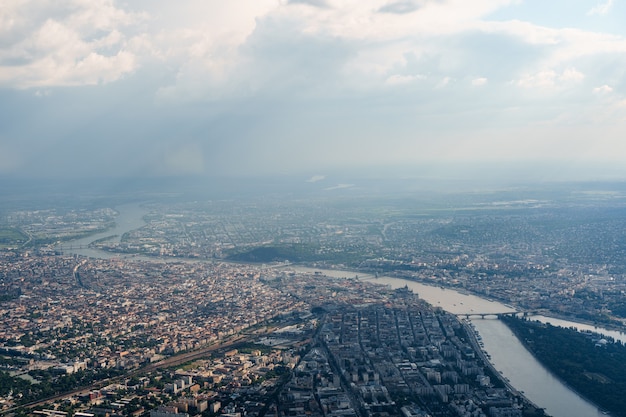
(443, 82)
(557, 47)
(205, 42)
(315, 3)
(398, 79)
(605, 89)
(363, 19)
(601, 9)
(316, 178)
(42, 93)
(477, 82)
(571, 74)
(71, 42)
(316, 82)
(550, 79)
(339, 187)
(382, 42)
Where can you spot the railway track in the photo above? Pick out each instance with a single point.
(165, 363)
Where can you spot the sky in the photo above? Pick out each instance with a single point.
(160, 88)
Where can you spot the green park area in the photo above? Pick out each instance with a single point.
(593, 366)
(11, 237)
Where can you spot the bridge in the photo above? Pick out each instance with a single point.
(498, 315)
(73, 247)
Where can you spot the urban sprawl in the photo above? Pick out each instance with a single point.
(178, 321)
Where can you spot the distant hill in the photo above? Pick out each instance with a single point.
(266, 254)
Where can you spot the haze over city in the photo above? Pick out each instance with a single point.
(501, 88)
(312, 208)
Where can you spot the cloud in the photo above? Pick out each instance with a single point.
(67, 43)
(316, 178)
(339, 187)
(294, 85)
(551, 79)
(477, 82)
(184, 160)
(605, 89)
(398, 79)
(315, 3)
(212, 50)
(399, 7)
(443, 82)
(9, 158)
(601, 9)
(571, 74)
(42, 93)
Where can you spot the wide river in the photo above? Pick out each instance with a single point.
(508, 355)
(130, 217)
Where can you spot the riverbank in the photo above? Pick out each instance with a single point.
(508, 356)
(473, 339)
(509, 303)
(566, 404)
(554, 347)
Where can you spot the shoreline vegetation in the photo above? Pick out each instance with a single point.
(586, 362)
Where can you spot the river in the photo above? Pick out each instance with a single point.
(508, 355)
(130, 217)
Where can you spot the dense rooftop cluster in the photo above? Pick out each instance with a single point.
(342, 347)
(367, 348)
(408, 354)
(567, 259)
(110, 313)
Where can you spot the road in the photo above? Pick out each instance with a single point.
(165, 363)
(471, 334)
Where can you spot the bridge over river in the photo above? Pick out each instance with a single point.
(71, 247)
(473, 315)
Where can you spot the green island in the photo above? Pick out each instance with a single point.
(593, 366)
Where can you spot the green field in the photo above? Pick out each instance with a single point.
(10, 237)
